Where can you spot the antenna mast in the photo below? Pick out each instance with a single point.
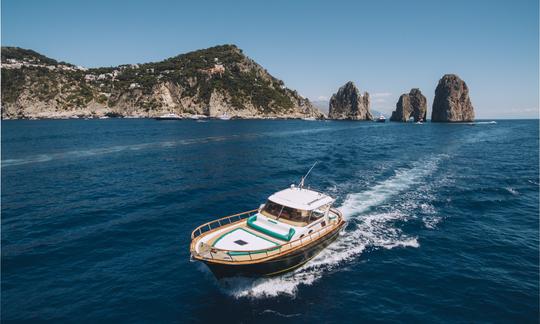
(301, 185)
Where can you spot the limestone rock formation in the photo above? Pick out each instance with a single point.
(413, 104)
(348, 103)
(452, 102)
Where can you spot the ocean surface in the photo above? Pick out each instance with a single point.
(97, 216)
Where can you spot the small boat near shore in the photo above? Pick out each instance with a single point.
(291, 228)
(169, 116)
(225, 116)
(197, 117)
(381, 119)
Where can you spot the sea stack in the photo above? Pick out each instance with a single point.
(349, 104)
(413, 104)
(452, 102)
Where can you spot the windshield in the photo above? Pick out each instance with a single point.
(284, 212)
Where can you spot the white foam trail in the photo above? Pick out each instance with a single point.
(365, 229)
(164, 145)
(113, 149)
(358, 203)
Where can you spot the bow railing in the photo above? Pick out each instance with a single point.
(222, 221)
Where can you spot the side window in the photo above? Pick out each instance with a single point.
(316, 214)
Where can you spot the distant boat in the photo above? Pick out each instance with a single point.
(224, 117)
(309, 118)
(381, 119)
(482, 123)
(420, 122)
(196, 117)
(168, 117)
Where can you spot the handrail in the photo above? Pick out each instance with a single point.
(264, 252)
(208, 226)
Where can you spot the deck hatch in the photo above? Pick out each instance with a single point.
(240, 242)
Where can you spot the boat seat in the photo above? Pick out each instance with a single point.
(271, 228)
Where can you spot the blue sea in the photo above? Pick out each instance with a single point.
(97, 216)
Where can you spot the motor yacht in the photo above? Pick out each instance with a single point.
(285, 232)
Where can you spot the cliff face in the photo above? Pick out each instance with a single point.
(413, 104)
(348, 103)
(452, 102)
(214, 81)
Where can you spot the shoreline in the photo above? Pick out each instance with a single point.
(156, 118)
(262, 118)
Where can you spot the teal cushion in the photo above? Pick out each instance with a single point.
(283, 237)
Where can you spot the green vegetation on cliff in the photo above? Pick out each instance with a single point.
(187, 83)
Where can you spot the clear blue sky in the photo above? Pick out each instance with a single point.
(386, 47)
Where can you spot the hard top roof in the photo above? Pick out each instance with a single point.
(300, 198)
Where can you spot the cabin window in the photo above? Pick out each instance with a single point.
(285, 212)
(272, 208)
(316, 214)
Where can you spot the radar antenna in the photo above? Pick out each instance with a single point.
(301, 185)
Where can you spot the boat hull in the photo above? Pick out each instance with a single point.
(275, 266)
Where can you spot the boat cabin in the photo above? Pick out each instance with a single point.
(297, 206)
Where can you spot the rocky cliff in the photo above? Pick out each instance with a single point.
(452, 102)
(348, 103)
(214, 81)
(413, 104)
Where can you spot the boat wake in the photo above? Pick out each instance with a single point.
(92, 152)
(114, 149)
(372, 224)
